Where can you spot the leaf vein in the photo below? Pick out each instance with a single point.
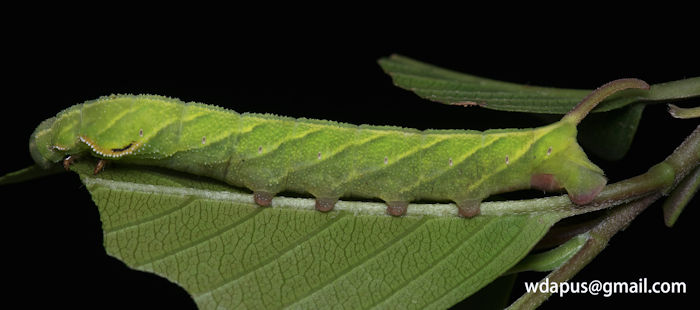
(482, 267)
(151, 218)
(446, 254)
(360, 263)
(203, 239)
(270, 260)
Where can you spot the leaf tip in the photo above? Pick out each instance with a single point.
(683, 113)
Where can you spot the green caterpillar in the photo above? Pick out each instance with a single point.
(269, 154)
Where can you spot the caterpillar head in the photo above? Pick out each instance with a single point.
(40, 147)
(56, 138)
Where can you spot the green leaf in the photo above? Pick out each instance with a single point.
(227, 252)
(450, 87)
(553, 258)
(609, 135)
(683, 113)
(29, 173)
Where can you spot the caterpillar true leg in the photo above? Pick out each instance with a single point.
(68, 161)
(100, 165)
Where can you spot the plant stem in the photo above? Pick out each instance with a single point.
(686, 157)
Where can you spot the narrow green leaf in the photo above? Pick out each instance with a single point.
(553, 258)
(29, 173)
(450, 87)
(227, 252)
(679, 112)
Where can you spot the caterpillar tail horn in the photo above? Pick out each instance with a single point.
(594, 98)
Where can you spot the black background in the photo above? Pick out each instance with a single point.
(317, 70)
